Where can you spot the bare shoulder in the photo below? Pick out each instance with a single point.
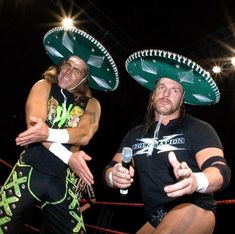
(40, 89)
(94, 109)
(42, 84)
(94, 103)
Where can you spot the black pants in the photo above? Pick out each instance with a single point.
(26, 187)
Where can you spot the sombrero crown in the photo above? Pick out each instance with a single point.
(61, 43)
(148, 66)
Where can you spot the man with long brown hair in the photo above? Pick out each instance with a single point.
(178, 158)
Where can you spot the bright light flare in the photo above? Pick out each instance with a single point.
(233, 61)
(216, 69)
(67, 23)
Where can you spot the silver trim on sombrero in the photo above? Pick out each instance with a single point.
(180, 59)
(67, 43)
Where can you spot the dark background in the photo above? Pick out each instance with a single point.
(200, 30)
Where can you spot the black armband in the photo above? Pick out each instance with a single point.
(212, 160)
(225, 172)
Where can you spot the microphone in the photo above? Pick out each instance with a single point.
(126, 162)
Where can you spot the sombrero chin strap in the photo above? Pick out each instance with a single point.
(80, 82)
(155, 136)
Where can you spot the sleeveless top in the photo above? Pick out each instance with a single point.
(63, 112)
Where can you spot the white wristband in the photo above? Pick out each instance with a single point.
(111, 178)
(61, 152)
(202, 181)
(58, 135)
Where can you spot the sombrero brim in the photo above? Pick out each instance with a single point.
(60, 43)
(148, 66)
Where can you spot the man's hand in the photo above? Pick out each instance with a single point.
(187, 182)
(78, 165)
(122, 177)
(37, 133)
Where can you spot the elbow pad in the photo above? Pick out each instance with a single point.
(224, 169)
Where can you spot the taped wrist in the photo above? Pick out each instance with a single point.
(202, 182)
(58, 135)
(110, 176)
(60, 151)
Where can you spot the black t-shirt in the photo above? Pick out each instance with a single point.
(185, 137)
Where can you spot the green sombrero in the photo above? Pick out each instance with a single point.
(148, 66)
(60, 43)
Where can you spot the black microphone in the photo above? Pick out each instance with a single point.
(126, 162)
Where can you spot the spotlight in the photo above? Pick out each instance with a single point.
(67, 23)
